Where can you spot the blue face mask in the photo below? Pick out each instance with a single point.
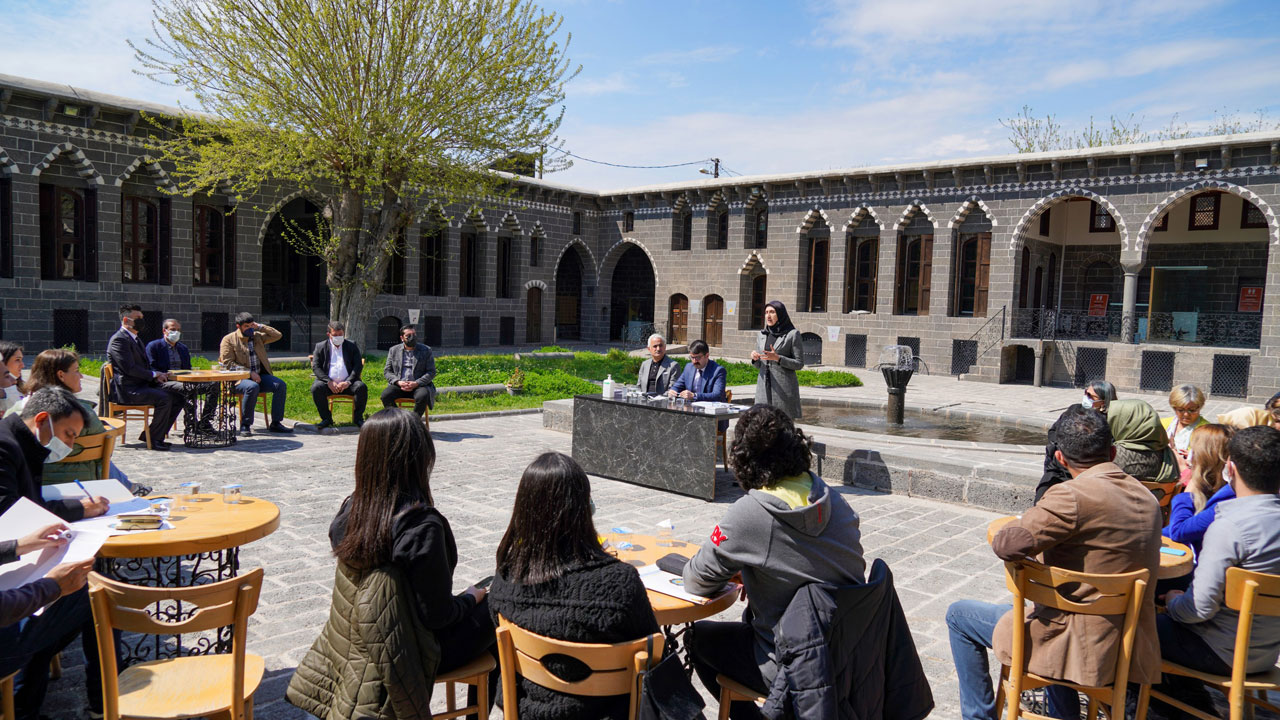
(248, 332)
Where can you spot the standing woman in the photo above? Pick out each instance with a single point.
(10, 375)
(395, 622)
(777, 357)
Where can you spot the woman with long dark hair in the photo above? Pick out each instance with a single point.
(777, 357)
(389, 527)
(10, 374)
(554, 579)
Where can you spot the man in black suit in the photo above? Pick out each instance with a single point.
(336, 363)
(136, 383)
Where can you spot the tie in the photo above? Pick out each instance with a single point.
(697, 380)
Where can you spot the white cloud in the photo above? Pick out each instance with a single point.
(712, 53)
(586, 87)
(1142, 61)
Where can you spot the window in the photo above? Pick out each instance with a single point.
(720, 232)
(972, 273)
(861, 257)
(469, 265)
(682, 230)
(68, 233)
(577, 222)
(1204, 211)
(1024, 278)
(815, 297)
(915, 266)
(431, 260)
(1099, 219)
(394, 282)
(628, 221)
(504, 267)
(1051, 295)
(6, 226)
(1044, 222)
(1251, 216)
(758, 228)
(535, 248)
(1162, 225)
(206, 247)
(139, 238)
(759, 284)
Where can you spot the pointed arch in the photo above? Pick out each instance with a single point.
(972, 203)
(813, 218)
(535, 284)
(475, 218)
(432, 212)
(1033, 212)
(859, 214)
(615, 251)
(84, 168)
(158, 174)
(753, 261)
(916, 206)
(583, 249)
(1273, 227)
(510, 223)
(316, 198)
(7, 165)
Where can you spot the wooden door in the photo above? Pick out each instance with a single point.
(533, 316)
(679, 320)
(713, 320)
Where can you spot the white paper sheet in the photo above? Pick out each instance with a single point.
(110, 489)
(710, 407)
(659, 580)
(25, 517)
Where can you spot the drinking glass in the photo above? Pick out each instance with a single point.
(231, 493)
(161, 507)
(189, 492)
(666, 534)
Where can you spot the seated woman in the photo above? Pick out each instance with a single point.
(390, 521)
(789, 530)
(1192, 510)
(10, 375)
(1186, 401)
(1097, 395)
(1142, 448)
(61, 368)
(554, 579)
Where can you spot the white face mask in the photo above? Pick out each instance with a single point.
(1087, 402)
(1227, 476)
(57, 449)
(12, 392)
(173, 336)
(337, 341)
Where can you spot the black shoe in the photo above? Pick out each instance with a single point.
(205, 426)
(160, 445)
(323, 424)
(276, 427)
(246, 431)
(140, 490)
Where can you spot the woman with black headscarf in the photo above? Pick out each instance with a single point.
(777, 357)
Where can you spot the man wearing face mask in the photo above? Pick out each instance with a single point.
(136, 383)
(42, 433)
(246, 349)
(337, 363)
(169, 353)
(410, 372)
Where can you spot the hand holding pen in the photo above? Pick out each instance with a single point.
(93, 506)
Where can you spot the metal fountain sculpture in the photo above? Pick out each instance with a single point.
(897, 364)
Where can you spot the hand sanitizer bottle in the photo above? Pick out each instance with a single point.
(607, 394)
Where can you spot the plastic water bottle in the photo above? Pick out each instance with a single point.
(608, 388)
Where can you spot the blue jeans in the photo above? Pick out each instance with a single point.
(971, 624)
(250, 390)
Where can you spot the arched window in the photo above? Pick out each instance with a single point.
(207, 244)
(682, 230)
(972, 272)
(394, 282)
(431, 259)
(758, 228)
(915, 269)
(504, 267)
(469, 263)
(862, 257)
(815, 295)
(68, 233)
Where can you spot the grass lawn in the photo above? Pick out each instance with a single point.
(545, 379)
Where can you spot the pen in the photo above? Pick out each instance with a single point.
(86, 490)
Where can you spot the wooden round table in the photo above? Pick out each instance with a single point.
(670, 610)
(222, 417)
(1171, 566)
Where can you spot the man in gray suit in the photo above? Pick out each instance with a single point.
(410, 371)
(658, 372)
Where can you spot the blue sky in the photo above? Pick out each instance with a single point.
(785, 86)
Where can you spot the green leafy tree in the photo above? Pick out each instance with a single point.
(379, 107)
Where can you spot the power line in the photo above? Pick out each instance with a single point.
(631, 167)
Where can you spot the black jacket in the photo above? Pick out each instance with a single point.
(21, 470)
(129, 363)
(1054, 473)
(847, 653)
(601, 601)
(350, 357)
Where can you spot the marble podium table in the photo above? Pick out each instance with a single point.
(647, 442)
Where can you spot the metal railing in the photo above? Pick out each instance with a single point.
(1236, 330)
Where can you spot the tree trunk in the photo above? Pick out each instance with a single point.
(358, 266)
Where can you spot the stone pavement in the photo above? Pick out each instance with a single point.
(937, 551)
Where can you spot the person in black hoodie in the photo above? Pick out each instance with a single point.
(391, 519)
(554, 579)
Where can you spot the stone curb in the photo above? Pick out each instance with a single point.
(352, 430)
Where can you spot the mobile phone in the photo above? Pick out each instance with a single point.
(482, 584)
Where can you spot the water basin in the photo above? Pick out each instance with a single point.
(935, 427)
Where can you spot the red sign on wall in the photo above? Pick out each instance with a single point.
(1250, 299)
(1098, 304)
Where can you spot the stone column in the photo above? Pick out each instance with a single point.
(1129, 315)
(1037, 379)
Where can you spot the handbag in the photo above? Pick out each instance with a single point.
(667, 693)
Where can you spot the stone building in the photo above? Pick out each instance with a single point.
(1148, 264)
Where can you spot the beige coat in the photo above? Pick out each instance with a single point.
(234, 350)
(1103, 521)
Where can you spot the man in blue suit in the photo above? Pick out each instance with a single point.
(702, 378)
(136, 383)
(168, 353)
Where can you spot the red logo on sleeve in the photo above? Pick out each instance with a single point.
(718, 537)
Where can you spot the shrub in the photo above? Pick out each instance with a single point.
(551, 348)
(557, 383)
(828, 378)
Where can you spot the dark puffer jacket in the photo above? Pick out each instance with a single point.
(601, 601)
(847, 653)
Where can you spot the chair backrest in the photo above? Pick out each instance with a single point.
(616, 669)
(91, 448)
(1119, 594)
(108, 375)
(1163, 491)
(118, 605)
(728, 396)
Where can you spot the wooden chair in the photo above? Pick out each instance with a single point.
(407, 404)
(346, 399)
(475, 673)
(734, 691)
(99, 447)
(137, 412)
(1164, 492)
(262, 400)
(722, 436)
(182, 687)
(1122, 594)
(1251, 594)
(7, 711)
(616, 669)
